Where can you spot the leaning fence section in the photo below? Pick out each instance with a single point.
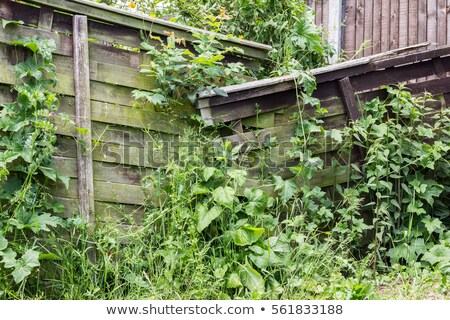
(260, 112)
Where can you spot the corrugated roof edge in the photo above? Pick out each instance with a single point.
(258, 50)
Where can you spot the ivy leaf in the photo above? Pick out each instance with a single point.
(257, 201)
(285, 188)
(234, 281)
(25, 265)
(205, 216)
(247, 235)
(251, 278)
(224, 196)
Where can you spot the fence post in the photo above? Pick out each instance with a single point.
(83, 118)
(334, 27)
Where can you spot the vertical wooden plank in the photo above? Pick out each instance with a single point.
(442, 22)
(376, 38)
(319, 13)
(448, 22)
(385, 24)
(368, 25)
(403, 23)
(85, 173)
(412, 22)
(359, 30)
(431, 21)
(422, 22)
(334, 27)
(325, 19)
(394, 28)
(45, 18)
(349, 33)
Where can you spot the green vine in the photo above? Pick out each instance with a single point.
(27, 140)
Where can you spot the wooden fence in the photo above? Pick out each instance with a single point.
(385, 24)
(260, 111)
(97, 60)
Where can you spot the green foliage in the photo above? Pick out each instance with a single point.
(288, 26)
(181, 74)
(405, 176)
(27, 140)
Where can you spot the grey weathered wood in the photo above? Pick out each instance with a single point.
(334, 27)
(45, 18)
(349, 99)
(144, 22)
(85, 172)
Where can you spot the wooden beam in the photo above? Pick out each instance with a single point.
(349, 98)
(83, 118)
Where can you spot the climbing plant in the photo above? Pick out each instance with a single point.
(27, 140)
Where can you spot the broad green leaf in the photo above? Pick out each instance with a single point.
(48, 172)
(439, 253)
(285, 188)
(433, 225)
(31, 258)
(247, 235)
(251, 278)
(9, 258)
(224, 196)
(208, 172)
(238, 175)
(3, 242)
(257, 201)
(65, 180)
(336, 135)
(205, 216)
(234, 281)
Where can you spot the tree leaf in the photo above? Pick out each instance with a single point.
(247, 235)
(224, 196)
(205, 216)
(251, 278)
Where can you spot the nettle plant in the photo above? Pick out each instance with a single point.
(27, 140)
(405, 177)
